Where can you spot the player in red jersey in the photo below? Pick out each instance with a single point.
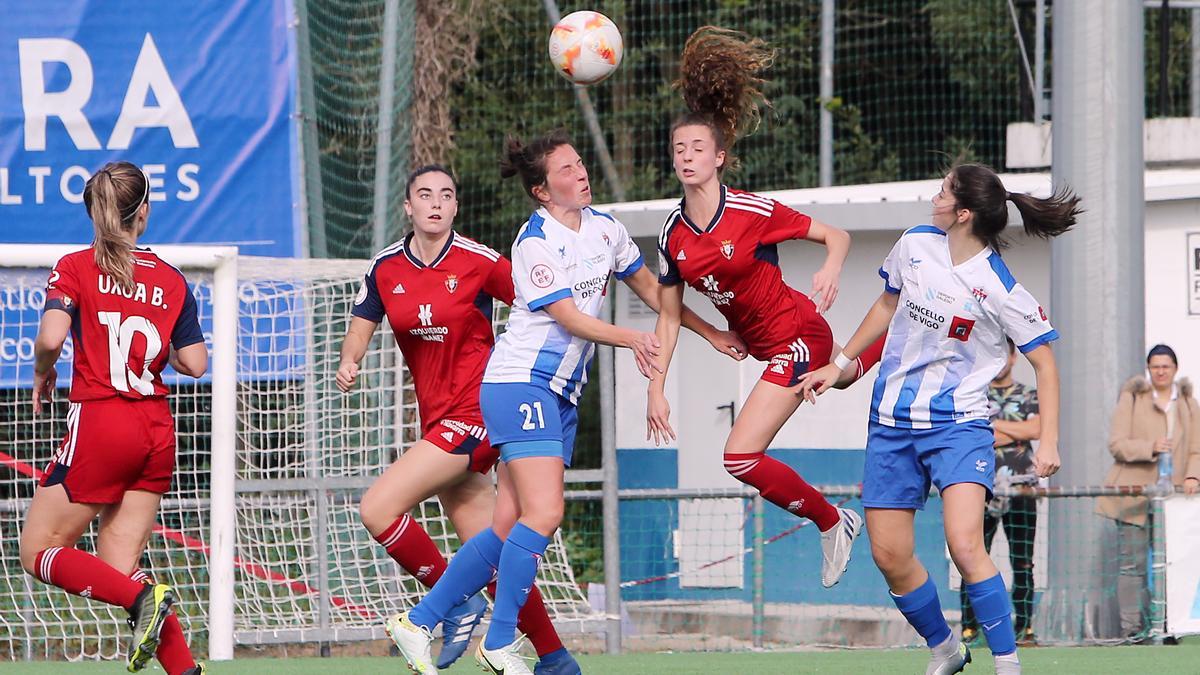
(722, 242)
(129, 314)
(436, 289)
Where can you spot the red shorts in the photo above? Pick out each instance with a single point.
(465, 435)
(112, 446)
(811, 349)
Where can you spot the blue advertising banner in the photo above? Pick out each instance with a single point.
(199, 94)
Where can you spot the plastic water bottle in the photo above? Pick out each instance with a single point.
(1166, 473)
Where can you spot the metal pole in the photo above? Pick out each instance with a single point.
(759, 599)
(1039, 62)
(611, 501)
(383, 135)
(1016, 21)
(312, 197)
(828, 9)
(324, 607)
(1097, 281)
(584, 101)
(1164, 54)
(1158, 564)
(1195, 74)
(222, 488)
(313, 437)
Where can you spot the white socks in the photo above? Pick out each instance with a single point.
(948, 647)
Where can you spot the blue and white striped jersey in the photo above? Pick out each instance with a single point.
(946, 340)
(551, 262)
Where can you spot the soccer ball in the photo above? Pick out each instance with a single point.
(586, 47)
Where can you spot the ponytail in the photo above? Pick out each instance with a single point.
(1049, 217)
(978, 189)
(112, 197)
(529, 159)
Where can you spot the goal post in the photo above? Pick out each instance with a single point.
(221, 263)
(260, 532)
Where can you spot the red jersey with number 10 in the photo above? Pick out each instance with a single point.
(441, 315)
(733, 261)
(122, 337)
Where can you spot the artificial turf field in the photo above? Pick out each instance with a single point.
(1166, 660)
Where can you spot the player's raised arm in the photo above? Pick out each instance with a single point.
(837, 247)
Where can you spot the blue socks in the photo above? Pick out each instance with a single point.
(924, 611)
(518, 568)
(469, 570)
(993, 610)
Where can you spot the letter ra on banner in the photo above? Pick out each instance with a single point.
(149, 76)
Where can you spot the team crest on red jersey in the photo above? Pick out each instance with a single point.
(727, 249)
(452, 282)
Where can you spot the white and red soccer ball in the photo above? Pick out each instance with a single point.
(586, 47)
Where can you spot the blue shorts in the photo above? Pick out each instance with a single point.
(902, 463)
(528, 420)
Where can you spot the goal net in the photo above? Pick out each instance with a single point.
(260, 533)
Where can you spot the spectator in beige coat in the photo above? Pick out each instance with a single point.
(1153, 416)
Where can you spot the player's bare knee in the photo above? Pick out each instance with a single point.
(376, 512)
(368, 513)
(545, 518)
(28, 559)
(967, 552)
(890, 559)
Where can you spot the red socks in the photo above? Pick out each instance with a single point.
(173, 653)
(534, 622)
(870, 356)
(782, 486)
(85, 575)
(410, 546)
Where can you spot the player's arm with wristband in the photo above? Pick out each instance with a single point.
(873, 326)
(645, 285)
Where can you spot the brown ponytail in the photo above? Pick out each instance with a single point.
(112, 197)
(1049, 217)
(978, 189)
(719, 79)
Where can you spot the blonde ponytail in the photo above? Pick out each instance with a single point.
(112, 197)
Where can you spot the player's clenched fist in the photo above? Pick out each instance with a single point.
(346, 375)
